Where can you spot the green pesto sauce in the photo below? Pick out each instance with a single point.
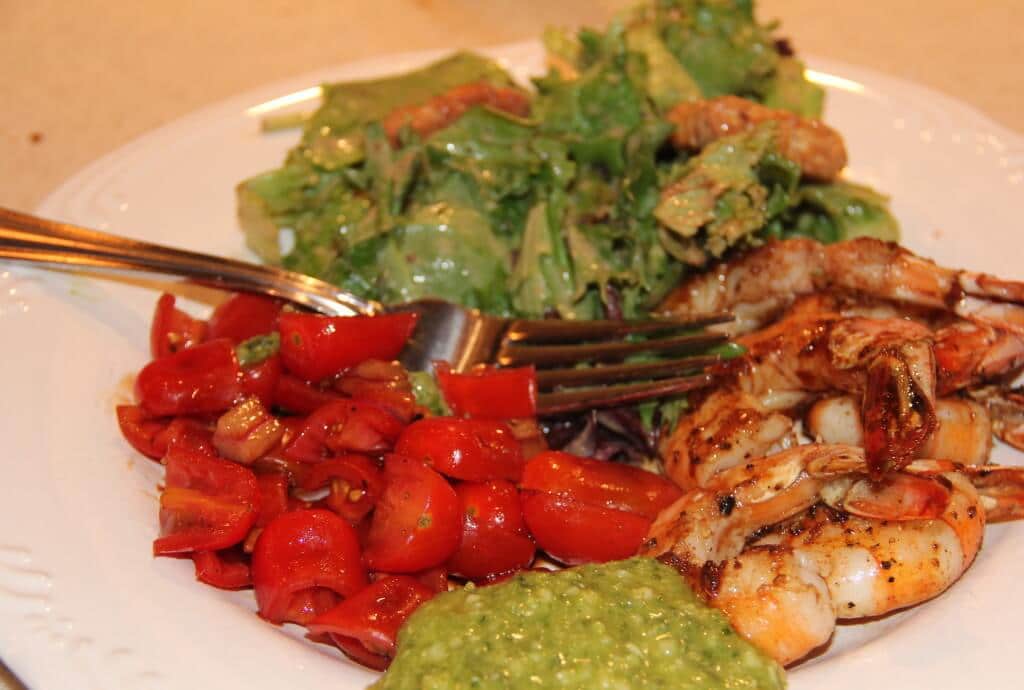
(621, 625)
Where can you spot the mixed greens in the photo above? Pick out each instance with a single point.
(583, 209)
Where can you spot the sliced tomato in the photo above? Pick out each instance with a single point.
(276, 462)
(223, 569)
(494, 537)
(207, 503)
(143, 430)
(434, 578)
(199, 380)
(247, 431)
(300, 397)
(173, 330)
(355, 483)
(573, 532)
(244, 316)
(304, 550)
(307, 604)
(489, 393)
(416, 524)
(315, 347)
(374, 615)
(344, 426)
(471, 449)
(355, 650)
(600, 483)
(273, 496)
(262, 380)
(188, 434)
(385, 384)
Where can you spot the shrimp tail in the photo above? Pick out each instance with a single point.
(898, 407)
(1000, 488)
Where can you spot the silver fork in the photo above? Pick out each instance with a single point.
(446, 331)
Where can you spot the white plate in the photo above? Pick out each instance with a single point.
(83, 605)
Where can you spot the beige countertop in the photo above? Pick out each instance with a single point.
(82, 78)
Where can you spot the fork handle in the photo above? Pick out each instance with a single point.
(28, 238)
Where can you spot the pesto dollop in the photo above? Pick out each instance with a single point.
(625, 624)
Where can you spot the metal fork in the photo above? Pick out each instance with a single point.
(446, 331)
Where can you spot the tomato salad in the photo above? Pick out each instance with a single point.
(299, 463)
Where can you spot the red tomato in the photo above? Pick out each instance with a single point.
(574, 532)
(384, 384)
(436, 579)
(416, 524)
(273, 496)
(298, 397)
(299, 551)
(173, 330)
(143, 430)
(355, 650)
(244, 316)
(489, 393)
(200, 380)
(471, 449)
(494, 537)
(342, 426)
(261, 380)
(315, 347)
(374, 615)
(600, 483)
(222, 569)
(307, 604)
(188, 434)
(207, 503)
(355, 483)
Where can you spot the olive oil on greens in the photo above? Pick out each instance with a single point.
(560, 213)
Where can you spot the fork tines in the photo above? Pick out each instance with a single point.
(569, 344)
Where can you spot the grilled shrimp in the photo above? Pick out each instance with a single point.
(761, 284)
(843, 546)
(887, 363)
(444, 109)
(963, 427)
(814, 146)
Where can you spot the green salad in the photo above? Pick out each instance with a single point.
(580, 209)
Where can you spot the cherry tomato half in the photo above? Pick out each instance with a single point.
(494, 536)
(142, 430)
(243, 316)
(262, 380)
(374, 615)
(574, 532)
(207, 503)
(199, 380)
(273, 488)
(314, 347)
(173, 330)
(600, 483)
(354, 481)
(489, 393)
(299, 397)
(416, 524)
(344, 426)
(222, 569)
(299, 551)
(471, 449)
